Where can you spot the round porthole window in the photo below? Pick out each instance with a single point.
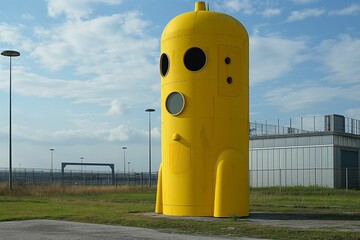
(164, 64)
(175, 103)
(194, 59)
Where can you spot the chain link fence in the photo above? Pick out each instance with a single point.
(31, 176)
(346, 178)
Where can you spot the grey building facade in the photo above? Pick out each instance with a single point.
(297, 157)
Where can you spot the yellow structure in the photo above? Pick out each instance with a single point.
(204, 116)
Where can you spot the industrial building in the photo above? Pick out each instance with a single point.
(318, 151)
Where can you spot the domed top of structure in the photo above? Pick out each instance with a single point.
(203, 21)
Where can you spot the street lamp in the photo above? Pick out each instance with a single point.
(124, 148)
(52, 161)
(150, 110)
(10, 54)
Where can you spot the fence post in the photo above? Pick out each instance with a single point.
(266, 127)
(315, 178)
(280, 179)
(346, 179)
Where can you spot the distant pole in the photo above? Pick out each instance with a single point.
(129, 173)
(81, 166)
(10, 54)
(124, 148)
(52, 162)
(150, 110)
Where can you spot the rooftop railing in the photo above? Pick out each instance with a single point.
(308, 124)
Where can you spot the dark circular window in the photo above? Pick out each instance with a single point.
(227, 60)
(175, 103)
(229, 80)
(194, 59)
(164, 64)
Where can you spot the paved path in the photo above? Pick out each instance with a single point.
(62, 230)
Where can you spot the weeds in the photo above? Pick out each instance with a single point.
(56, 190)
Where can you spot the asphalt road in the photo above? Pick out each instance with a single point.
(62, 230)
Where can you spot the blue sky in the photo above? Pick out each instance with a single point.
(89, 68)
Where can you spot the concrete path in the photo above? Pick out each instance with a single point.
(62, 230)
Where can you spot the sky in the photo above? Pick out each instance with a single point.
(89, 68)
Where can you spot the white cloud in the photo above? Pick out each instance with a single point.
(156, 133)
(121, 133)
(353, 9)
(75, 9)
(118, 134)
(11, 36)
(91, 45)
(340, 58)
(133, 24)
(306, 13)
(302, 96)
(272, 57)
(27, 16)
(270, 12)
(304, 1)
(109, 57)
(245, 6)
(117, 108)
(312, 95)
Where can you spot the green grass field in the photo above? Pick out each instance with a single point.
(123, 206)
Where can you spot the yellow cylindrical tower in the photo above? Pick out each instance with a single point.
(204, 116)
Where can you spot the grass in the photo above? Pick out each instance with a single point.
(306, 200)
(122, 205)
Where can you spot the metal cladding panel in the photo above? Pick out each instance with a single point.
(293, 165)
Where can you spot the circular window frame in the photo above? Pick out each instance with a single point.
(182, 107)
(186, 65)
(161, 64)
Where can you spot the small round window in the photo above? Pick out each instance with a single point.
(164, 64)
(194, 59)
(175, 103)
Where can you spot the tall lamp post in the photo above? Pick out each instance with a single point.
(150, 110)
(129, 173)
(124, 148)
(52, 162)
(10, 54)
